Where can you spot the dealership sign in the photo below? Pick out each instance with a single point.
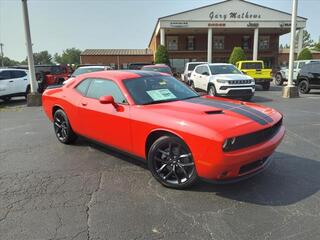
(233, 15)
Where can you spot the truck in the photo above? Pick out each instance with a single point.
(256, 70)
(283, 74)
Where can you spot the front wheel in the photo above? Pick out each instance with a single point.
(62, 128)
(278, 79)
(303, 87)
(171, 163)
(212, 90)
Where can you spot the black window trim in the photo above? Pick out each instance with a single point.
(75, 87)
(96, 78)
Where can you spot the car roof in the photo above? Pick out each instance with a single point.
(119, 75)
(14, 69)
(195, 63)
(156, 65)
(213, 64)
(93, 66)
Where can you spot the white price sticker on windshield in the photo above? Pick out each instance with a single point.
(161, 94)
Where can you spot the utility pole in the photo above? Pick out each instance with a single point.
(34, 98)
(1, 51)
(291, 91)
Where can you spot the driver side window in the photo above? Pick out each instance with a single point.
(103, 87)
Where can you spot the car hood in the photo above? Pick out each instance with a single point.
(232, 76)
(212, 115)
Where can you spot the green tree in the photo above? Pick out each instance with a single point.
(68, 56)
(162, 55)
(316, 46)
(237, 55)
(306, 40)
(305, 54)
(43, 57)
(7, 62)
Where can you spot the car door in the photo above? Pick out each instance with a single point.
(205, 77)
(314, 73)
(20, 81)
(6, 83)
(103, 122)
(196, 76)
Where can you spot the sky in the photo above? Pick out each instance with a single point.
(60, 24)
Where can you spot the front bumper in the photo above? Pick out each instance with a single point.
(239, 164)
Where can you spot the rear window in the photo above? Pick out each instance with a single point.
(192, 66)
(5, 75)
(18, 74)
(251, 65)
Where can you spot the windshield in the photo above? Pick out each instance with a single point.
(157, 89)
(157, 69)
(251, 65)
(224, 69)
(79, 71)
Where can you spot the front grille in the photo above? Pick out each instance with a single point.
(252, 166)
(255, 138)
(239, 81)
(242, 92)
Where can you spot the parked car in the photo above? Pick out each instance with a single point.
(283, 74)
(157, 118)
(188, 68)
(309, 77)
(137, 66)
(255, 69)
(158, 68)
(87, 69)
(13, 83)
(222, 79)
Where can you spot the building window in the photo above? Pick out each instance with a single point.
(190, 43)
(264, 42)
(218, 42)
(172, 43)
(246, 42)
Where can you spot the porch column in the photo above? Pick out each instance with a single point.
(209, 53)
(162, 37)
(300, 40)
(255, 44)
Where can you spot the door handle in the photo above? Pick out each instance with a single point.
(25, 79)
(11, 81)
(84, 103)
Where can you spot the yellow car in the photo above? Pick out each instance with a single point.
(256, 70)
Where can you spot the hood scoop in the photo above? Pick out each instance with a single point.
(218, 111)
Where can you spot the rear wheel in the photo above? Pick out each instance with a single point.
(62, 128)
(192, 85)
(212, 90)
(266, 86)
(171, 163)
(278, 79)
(303, 87)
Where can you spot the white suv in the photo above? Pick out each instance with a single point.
(189, 67)
(222, 79)
(13, 83)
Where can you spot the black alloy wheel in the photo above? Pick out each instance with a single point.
(171, 163)
(278, 79)
(304, 87)
(62, 128)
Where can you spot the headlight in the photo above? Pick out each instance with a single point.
(228, 143)
(221, 81)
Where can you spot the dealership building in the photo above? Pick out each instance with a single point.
(210, 33)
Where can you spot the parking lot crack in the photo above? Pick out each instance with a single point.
(90, 203)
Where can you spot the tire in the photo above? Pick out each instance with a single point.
(279, 79)
(27, 91)
(171, 163)
(212, 90)
(192, 85)
(62, 128)
(303, 87)
(266, 86)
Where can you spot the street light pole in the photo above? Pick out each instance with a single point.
(291, 91)
(34, 98)
(1, 51)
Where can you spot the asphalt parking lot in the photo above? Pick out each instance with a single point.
(83, 191)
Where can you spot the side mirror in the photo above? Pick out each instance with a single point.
(110, 100)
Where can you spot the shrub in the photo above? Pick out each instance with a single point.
(237, 55)
(162, 55)
(305, 54)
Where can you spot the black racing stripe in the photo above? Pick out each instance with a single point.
(228, 106)
(246, 108)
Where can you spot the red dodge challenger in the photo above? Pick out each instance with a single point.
(153, 116)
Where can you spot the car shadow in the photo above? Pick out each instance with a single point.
(288, 180)
(14, 102)
(259, 99)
